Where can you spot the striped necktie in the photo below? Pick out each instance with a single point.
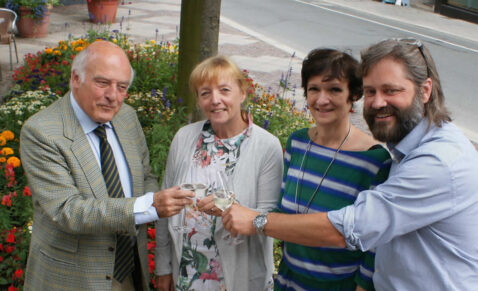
(124, 257)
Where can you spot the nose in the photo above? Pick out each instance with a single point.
(378, 101)
(322, 98)
(111, 92)
(215, 98)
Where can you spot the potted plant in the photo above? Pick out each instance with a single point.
(102, 11)
(34, 16)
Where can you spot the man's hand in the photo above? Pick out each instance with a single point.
(238, 219)
(169, 202)
(165, 282)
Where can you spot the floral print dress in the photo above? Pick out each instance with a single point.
(200, 266)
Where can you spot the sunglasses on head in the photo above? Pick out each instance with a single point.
(419, 45)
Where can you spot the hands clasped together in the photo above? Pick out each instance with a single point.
(236, 219)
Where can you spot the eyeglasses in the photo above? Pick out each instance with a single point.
(416, 42)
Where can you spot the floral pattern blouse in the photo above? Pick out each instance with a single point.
(200, 266)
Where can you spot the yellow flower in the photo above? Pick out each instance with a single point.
(152, 41)
(57, 53)
(3, 141)
(48, 50)
(6, 151)
(14, 161)
(3, 159)
(8, 134)
(115, 40)
(79, 49)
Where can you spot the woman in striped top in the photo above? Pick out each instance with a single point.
(325, 167)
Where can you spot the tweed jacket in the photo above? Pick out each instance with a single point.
(256, 181)
(75, 222)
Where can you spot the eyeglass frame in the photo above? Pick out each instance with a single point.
(418, 43)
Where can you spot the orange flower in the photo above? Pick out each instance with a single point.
(14, 161)
(79, 49)
(8, 134)
(3, 159)
(3, 141)
(6, 151)
(48, 50)
(57, 53)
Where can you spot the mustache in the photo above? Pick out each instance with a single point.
(384, 110)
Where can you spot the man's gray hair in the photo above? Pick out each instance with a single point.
(419, 66)
(81, 60)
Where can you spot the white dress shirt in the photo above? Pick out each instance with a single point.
(144, 211)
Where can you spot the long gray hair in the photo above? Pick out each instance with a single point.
(419, 66)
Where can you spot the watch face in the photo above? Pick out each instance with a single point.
(260, 221)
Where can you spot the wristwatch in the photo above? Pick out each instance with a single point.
(260, 222)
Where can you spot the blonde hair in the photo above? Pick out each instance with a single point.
(211, 68)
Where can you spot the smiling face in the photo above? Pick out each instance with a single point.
(107, 76)
(328, 100)
(221, 101)
(392, 107)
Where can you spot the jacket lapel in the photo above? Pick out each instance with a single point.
(81, 149)
(131, 153)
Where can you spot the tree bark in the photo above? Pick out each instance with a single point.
(198, 40)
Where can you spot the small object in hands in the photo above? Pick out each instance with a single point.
(200, 190)
(223, 199)
(260, 222)
(182, 223)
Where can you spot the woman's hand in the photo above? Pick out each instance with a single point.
(165, 282)
(207, 206)
(238, 219)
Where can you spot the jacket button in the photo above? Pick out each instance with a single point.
(111, 249)
(108, 277)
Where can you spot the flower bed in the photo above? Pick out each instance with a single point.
(43, 79)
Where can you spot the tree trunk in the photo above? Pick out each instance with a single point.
(198, 40)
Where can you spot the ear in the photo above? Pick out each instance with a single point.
(243, 96)
(75, 79)
(426, 88)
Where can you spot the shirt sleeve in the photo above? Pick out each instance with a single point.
(418, 193)
(143, 209)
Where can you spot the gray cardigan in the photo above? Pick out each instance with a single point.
(256, 181)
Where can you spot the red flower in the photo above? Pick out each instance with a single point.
(1, 259)
(18, 273)
(193, 232)
(207, 276)
(1, 248)
(11, 237)
(152, 232)
(151, 245)
(26, 191)
(7, 200)
(151, 263)
(12, 288)
(9, 249)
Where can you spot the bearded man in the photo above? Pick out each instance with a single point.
(423, 220)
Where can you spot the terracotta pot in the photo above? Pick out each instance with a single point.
(102, 11)
(32, 27)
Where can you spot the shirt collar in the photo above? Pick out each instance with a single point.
(410, 141)
(87, 124)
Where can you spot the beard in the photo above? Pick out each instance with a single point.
(405, 120)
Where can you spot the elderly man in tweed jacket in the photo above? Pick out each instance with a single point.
(76, 222)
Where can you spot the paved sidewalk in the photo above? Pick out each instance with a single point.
(266, 61)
